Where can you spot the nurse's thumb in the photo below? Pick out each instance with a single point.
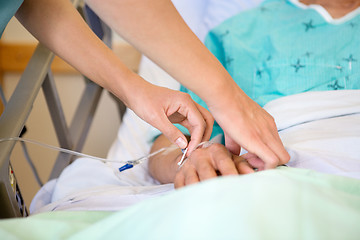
(174, 135)
(181, 142)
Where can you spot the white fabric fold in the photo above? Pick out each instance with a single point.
(321, 130)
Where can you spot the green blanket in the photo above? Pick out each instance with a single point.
(284, 203)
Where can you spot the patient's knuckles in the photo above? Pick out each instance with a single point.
(179, 180)
(191, 179)
(226, 166)
(205, 169)
(213, 155)
(217, 149)
(205, 152)
(199, 154)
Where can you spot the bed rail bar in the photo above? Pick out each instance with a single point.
(12, 121)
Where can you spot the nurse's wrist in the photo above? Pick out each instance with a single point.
(223, 95)
(129, 88)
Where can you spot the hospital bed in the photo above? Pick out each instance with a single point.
(297, 200)
(131, 142)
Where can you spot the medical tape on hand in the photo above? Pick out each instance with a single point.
(184, 158)
(180, 163)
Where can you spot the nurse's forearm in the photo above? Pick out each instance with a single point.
(57, 24)
(157, 30)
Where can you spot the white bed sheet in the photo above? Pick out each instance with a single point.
(321, 131)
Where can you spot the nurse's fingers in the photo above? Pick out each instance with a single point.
(254, 161)
(191, 177)
(265, 153)
(231, 145)
(251, 127)
(180, 108)
(279, 148)
(195, 133)
(197, 120)
(171, 132)
(270, 148)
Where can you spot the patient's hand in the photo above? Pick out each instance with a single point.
(202, 164)
(206, 163)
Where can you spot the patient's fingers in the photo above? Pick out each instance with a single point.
(205, 163)
(243, 165)
(211, 160)
(223, 160)
(204, 166)
(179, 180)
(191, 177)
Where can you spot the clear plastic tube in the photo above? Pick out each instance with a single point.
(127, 163)
(104, 160)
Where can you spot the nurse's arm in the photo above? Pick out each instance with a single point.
(156, 29)
(58, 25)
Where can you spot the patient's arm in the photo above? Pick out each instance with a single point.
(202, 164)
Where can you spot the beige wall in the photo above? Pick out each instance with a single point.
(39, 125)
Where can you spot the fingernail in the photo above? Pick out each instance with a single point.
(181, 143)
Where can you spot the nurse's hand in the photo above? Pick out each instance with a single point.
(161, 107)
(248, 125)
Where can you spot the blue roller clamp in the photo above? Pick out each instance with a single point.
(125, 167)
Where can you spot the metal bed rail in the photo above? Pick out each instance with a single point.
(38, 75)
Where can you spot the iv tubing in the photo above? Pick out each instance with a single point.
(133, 162)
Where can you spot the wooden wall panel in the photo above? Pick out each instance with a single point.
(14, 58)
